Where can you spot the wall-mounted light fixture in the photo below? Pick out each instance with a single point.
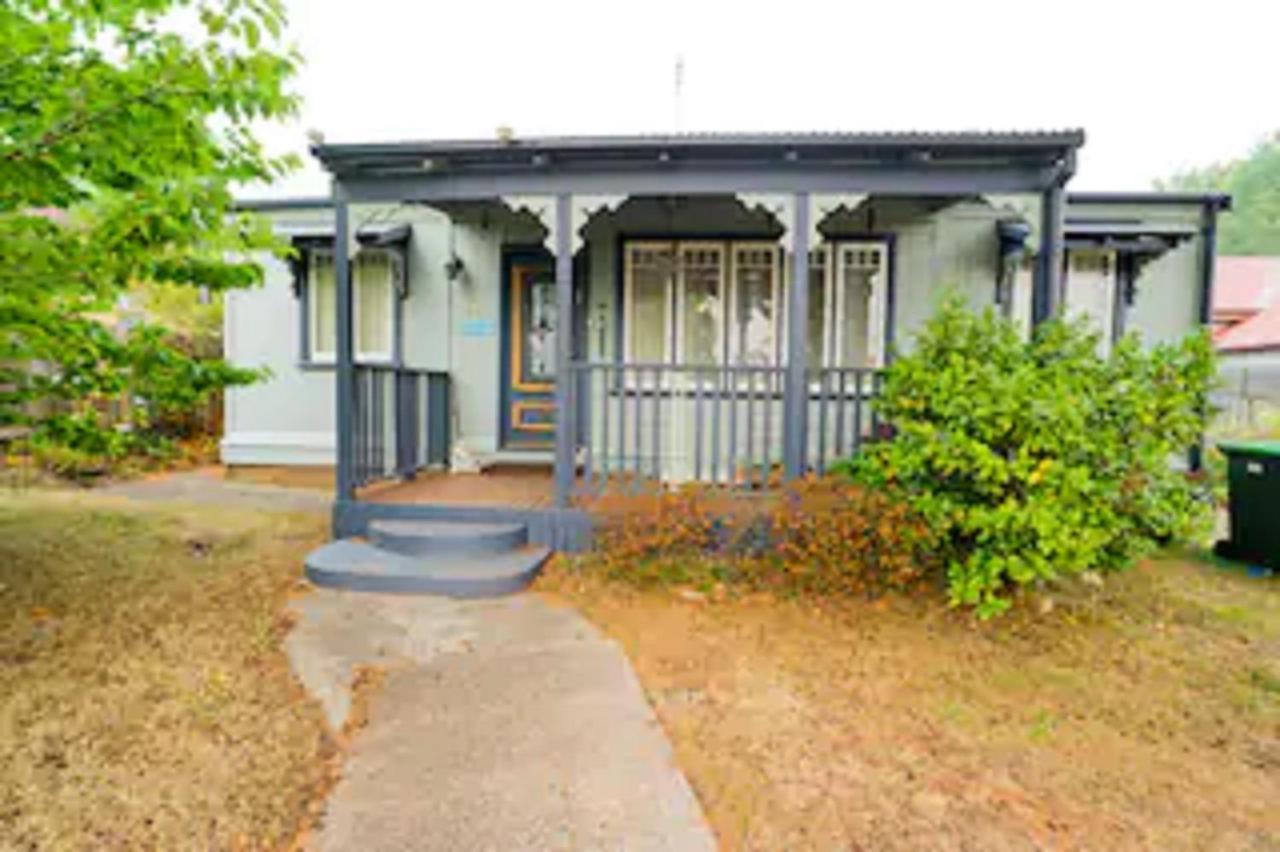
(454, 267)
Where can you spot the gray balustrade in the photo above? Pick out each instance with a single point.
(645, 424)
(401, 419)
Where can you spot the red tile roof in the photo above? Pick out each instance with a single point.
(1260, 331)
(1245, 285)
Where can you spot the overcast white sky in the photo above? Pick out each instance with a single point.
(1157, 86)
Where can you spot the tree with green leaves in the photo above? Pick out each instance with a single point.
(124, 128)
(1253, 225)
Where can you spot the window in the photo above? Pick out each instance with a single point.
(323, 305)
(539, 321)
(700, 304)
(650, 278)
(373, 303)
(674, 295)
(858, 316)
(817, 349)
(1091, 292)
(684, 304)
(374, 296)
(848, 292)
(754, 320)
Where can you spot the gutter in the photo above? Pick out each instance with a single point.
(1217, 200)
(273, 205)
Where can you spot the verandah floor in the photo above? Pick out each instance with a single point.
(506, 486)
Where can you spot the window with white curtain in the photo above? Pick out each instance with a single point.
(701, 302)
(859, 305)
(754, 315)
(322, 301)
(700, 285)
(374, 300)
(674, 302)
(848, 292)
(817, 343)
(650, 282)
(373, 304)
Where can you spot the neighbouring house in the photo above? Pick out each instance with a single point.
(1246, 320)
(667, 308)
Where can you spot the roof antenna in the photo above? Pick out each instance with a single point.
(678, 106)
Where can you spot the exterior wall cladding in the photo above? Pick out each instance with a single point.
(453, 324)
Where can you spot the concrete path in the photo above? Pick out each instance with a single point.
(501, 724)
(208, 486)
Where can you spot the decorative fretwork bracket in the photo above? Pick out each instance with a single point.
(822, 206)
(782, 207)
(542, 208)
(581, 209)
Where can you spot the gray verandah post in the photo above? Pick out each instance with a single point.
(795, 392)
(1204, 307)
(1046, 295)
(565, 426)
(344, 373)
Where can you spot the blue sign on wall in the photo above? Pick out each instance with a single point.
(478, 328)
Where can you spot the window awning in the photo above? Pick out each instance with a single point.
(380, 235)
(1146, 239)
(391, 236)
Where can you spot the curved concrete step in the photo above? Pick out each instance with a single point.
(419, 538)
(359, 566)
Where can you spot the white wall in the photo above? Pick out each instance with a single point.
(1167, 306)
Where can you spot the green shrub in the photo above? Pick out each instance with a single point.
(85, 368)
(1038, 459)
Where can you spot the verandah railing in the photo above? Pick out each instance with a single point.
(401, 421)
(721, 424)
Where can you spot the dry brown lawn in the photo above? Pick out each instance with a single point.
(144, 698)
(1144, 714)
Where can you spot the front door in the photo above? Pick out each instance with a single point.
(529, 329)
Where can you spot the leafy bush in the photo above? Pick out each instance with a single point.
(63, 392)
(1036, 459)
(826, 536)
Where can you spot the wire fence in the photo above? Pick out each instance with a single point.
(1247, 398)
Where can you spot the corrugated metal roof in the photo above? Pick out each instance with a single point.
(1068, 136)
(988, 141)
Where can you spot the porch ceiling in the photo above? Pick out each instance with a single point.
(887, 163)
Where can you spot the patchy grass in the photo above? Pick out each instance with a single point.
(144, 698)
(1144, 713)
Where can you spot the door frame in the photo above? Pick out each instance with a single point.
(515, 256)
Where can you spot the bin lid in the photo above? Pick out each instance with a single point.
(1251, 448)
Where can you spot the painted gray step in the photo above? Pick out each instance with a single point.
(419, 538)
(359, 566)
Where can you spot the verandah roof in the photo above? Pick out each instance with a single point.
(908, 163)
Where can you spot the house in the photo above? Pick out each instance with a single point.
(1246, 320)
(659, 309)
(1243, 288)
